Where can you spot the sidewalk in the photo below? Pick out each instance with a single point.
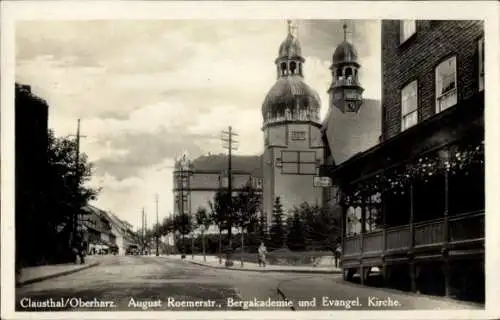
(302, 289)
(40, 273)
(213, 262)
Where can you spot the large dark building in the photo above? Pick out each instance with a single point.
(31, 118)
(413, 205)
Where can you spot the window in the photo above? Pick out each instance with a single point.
(481, 63)
(407, 29)
(283, 68)
(290, 168)
(298, 162)
(446, 84)
(298, 135)
(409, 105)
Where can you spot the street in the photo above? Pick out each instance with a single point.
(149, 283)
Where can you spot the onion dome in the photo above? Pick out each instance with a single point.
(293, 97)
(345, 91)
(290, 47)
(345, 52)
(290, 98)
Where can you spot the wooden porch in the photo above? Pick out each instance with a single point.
(416, 241)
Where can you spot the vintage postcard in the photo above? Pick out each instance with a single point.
(238, 159)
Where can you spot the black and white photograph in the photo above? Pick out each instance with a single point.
(272, 164)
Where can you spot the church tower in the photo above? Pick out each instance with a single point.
(345, 92)
(293, 149)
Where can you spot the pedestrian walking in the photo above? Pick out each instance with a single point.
(81, 251)
(338, 253)
(262, 255)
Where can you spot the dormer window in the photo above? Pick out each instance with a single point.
(407, 29)
(446, 84)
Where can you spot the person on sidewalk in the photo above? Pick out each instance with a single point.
(262, 255)
(338, 253)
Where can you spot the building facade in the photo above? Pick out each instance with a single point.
(124, 238)
(353, 123)
(31, 166)
(97, 231)
(196, 181)
(293, 147)
(413, 205)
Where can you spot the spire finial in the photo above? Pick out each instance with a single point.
(345, 31)
(292, 28)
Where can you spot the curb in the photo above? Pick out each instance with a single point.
(265, 270)
(55, 275)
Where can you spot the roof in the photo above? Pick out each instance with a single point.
(217, 163)
(288, 93)
(290, 47)
(345, 52)
(350, 133)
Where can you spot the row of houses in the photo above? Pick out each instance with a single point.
(104, 232)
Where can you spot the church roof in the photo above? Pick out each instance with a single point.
(288, 93)
(290, 47)
(239, 163)
(351, 133)
(345, 52)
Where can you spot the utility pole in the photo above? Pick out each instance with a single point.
(183, 173)
(75, 215)
(229, 143)
(143, 235)
(157, 228)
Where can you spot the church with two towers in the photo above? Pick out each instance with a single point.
(294, 133)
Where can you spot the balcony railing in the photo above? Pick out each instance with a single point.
(466, 227)
(373, 242)
(352, 245)
(398, 238)
(429, 232)
(462, 228)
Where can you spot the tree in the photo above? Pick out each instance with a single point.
(167, 227)
(277, 231)
(51, 213)
(296, 237)
(321, 227)
(246, 204)
(203, 221)
(219, 211)
(262, 228)
(182, 224)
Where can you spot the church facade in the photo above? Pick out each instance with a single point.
(293, 147)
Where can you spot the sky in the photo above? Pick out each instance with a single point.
(148, 91)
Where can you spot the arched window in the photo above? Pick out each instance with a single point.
(283, 68)
(293, 67)
(356, 74)
(339, 73)
(348, 73)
